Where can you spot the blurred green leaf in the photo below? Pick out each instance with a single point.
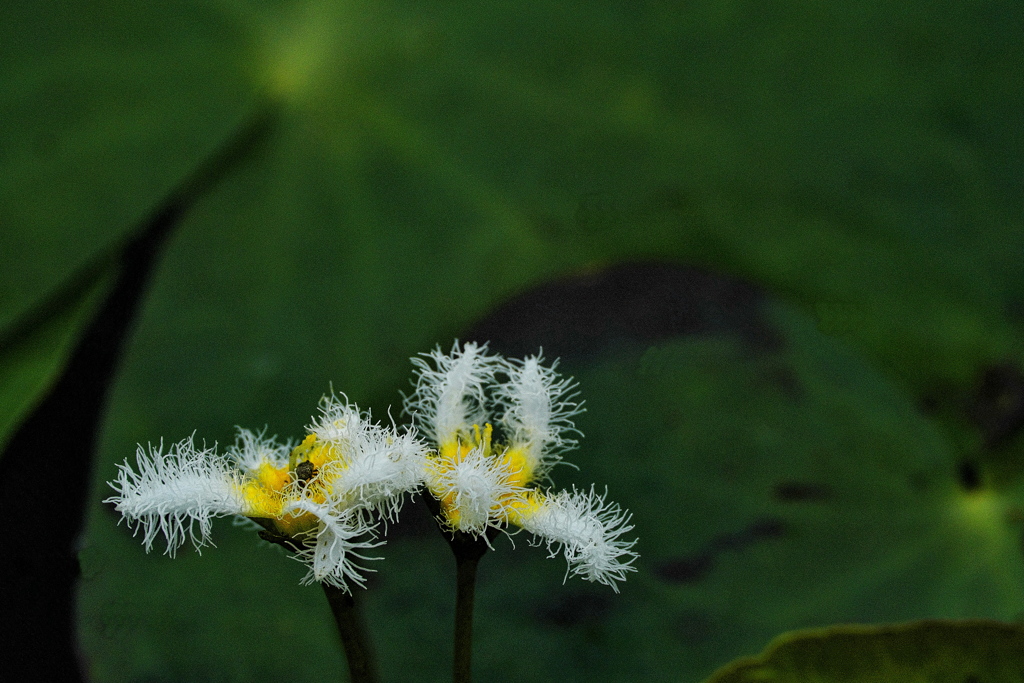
(32, 354)
(773, 488)
(858, 160)
(933, 651)
(106, 108)
(781, 491)
(432, 159)
(234, 613)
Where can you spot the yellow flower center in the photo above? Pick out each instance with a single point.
(525, 506)
(267, 490)
(313, 450)
(453, 451)
(520, 465)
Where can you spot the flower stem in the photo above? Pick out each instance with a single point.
(468, 551)
(361, 667)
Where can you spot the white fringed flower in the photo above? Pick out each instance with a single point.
(324, 497)
(475, 488)
(320, 497)
(481, 483)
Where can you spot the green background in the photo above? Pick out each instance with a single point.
(797, 459)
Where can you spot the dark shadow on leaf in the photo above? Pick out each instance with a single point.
(45, 469)
(572, 608)
(802, 492)
(583, 315)
(997, 406)
(693, 568)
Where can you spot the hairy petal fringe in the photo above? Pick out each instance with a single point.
(253, 449)
(450, 390)
(587, 530)
(332, 555)
(538, 409)
(375, 466)
(176, 494)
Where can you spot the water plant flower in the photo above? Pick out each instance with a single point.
(323, 498)
(485, 481)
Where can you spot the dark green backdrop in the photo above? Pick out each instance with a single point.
(778, 243)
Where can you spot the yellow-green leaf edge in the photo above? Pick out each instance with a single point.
(936, 651)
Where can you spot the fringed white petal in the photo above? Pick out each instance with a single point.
(375, 466)
(176, 494)
(449, 396)
(332, 557)
(253, 449)
(587, 529)
(539, 407)
(379, 473)
(341, 422)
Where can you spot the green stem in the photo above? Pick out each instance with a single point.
(361, 668)
(468, 551)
